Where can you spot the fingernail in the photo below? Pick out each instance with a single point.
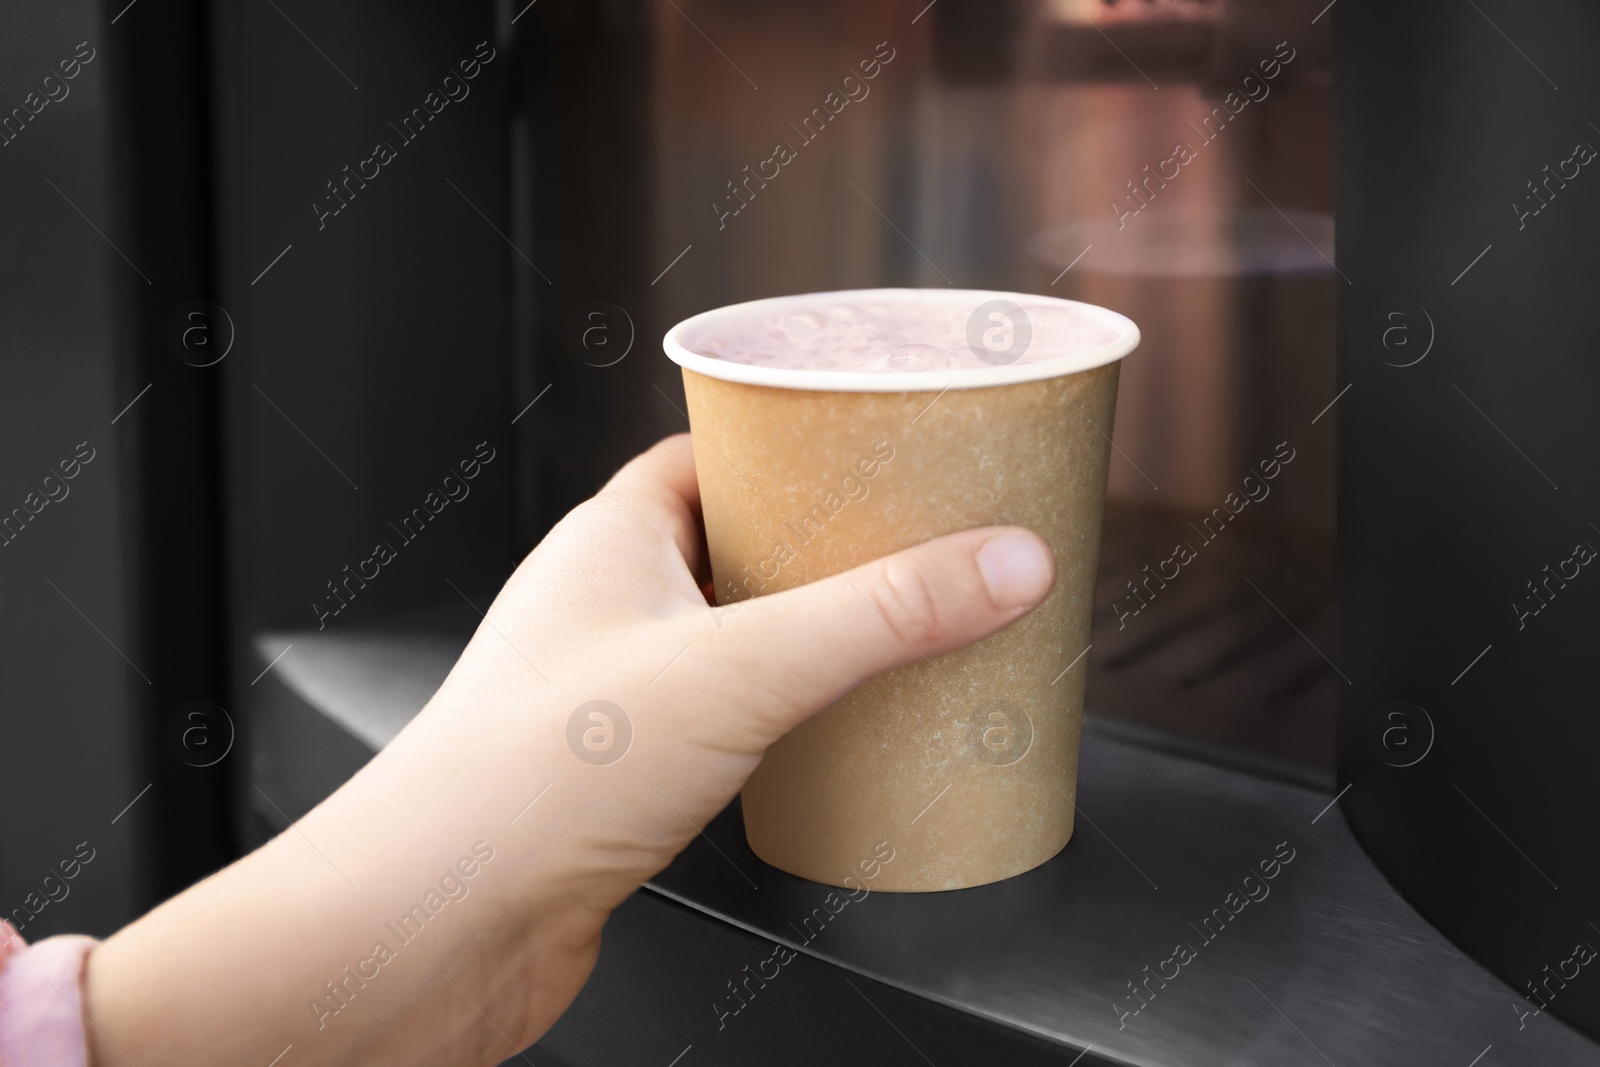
(1017, 569)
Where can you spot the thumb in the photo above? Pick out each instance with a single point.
(816, 642)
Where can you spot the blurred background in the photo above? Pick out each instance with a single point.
(278, 268)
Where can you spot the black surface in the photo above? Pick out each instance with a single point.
(372, 357)
(67, 697)
(373, 343)
(660, 991)
(1331, 944)
(1464, 475)
(172, 526)
(585, 194)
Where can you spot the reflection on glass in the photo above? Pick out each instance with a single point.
(1169, 159)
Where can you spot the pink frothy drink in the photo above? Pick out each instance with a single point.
(902, 331)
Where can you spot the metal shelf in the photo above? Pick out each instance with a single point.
(1043, 959)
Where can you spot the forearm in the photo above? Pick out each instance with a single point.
(375, 930)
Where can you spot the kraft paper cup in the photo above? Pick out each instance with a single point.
(955, 771)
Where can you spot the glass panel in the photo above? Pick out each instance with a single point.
(1171, 160)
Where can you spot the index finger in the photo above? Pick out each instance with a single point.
(663, 478)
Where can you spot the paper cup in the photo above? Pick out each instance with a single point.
(958, 770)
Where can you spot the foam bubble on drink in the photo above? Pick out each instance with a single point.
(903, 332)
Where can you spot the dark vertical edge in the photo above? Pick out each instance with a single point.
(583, 177)
(527, 146)
(1442, 514)
(526, 311)
(159, 103)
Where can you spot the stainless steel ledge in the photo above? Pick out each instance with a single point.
(1330, 964)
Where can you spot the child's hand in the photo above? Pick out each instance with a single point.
(610, 608)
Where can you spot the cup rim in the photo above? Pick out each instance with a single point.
(858, 381)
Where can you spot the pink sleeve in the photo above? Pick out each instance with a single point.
(40, 994)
